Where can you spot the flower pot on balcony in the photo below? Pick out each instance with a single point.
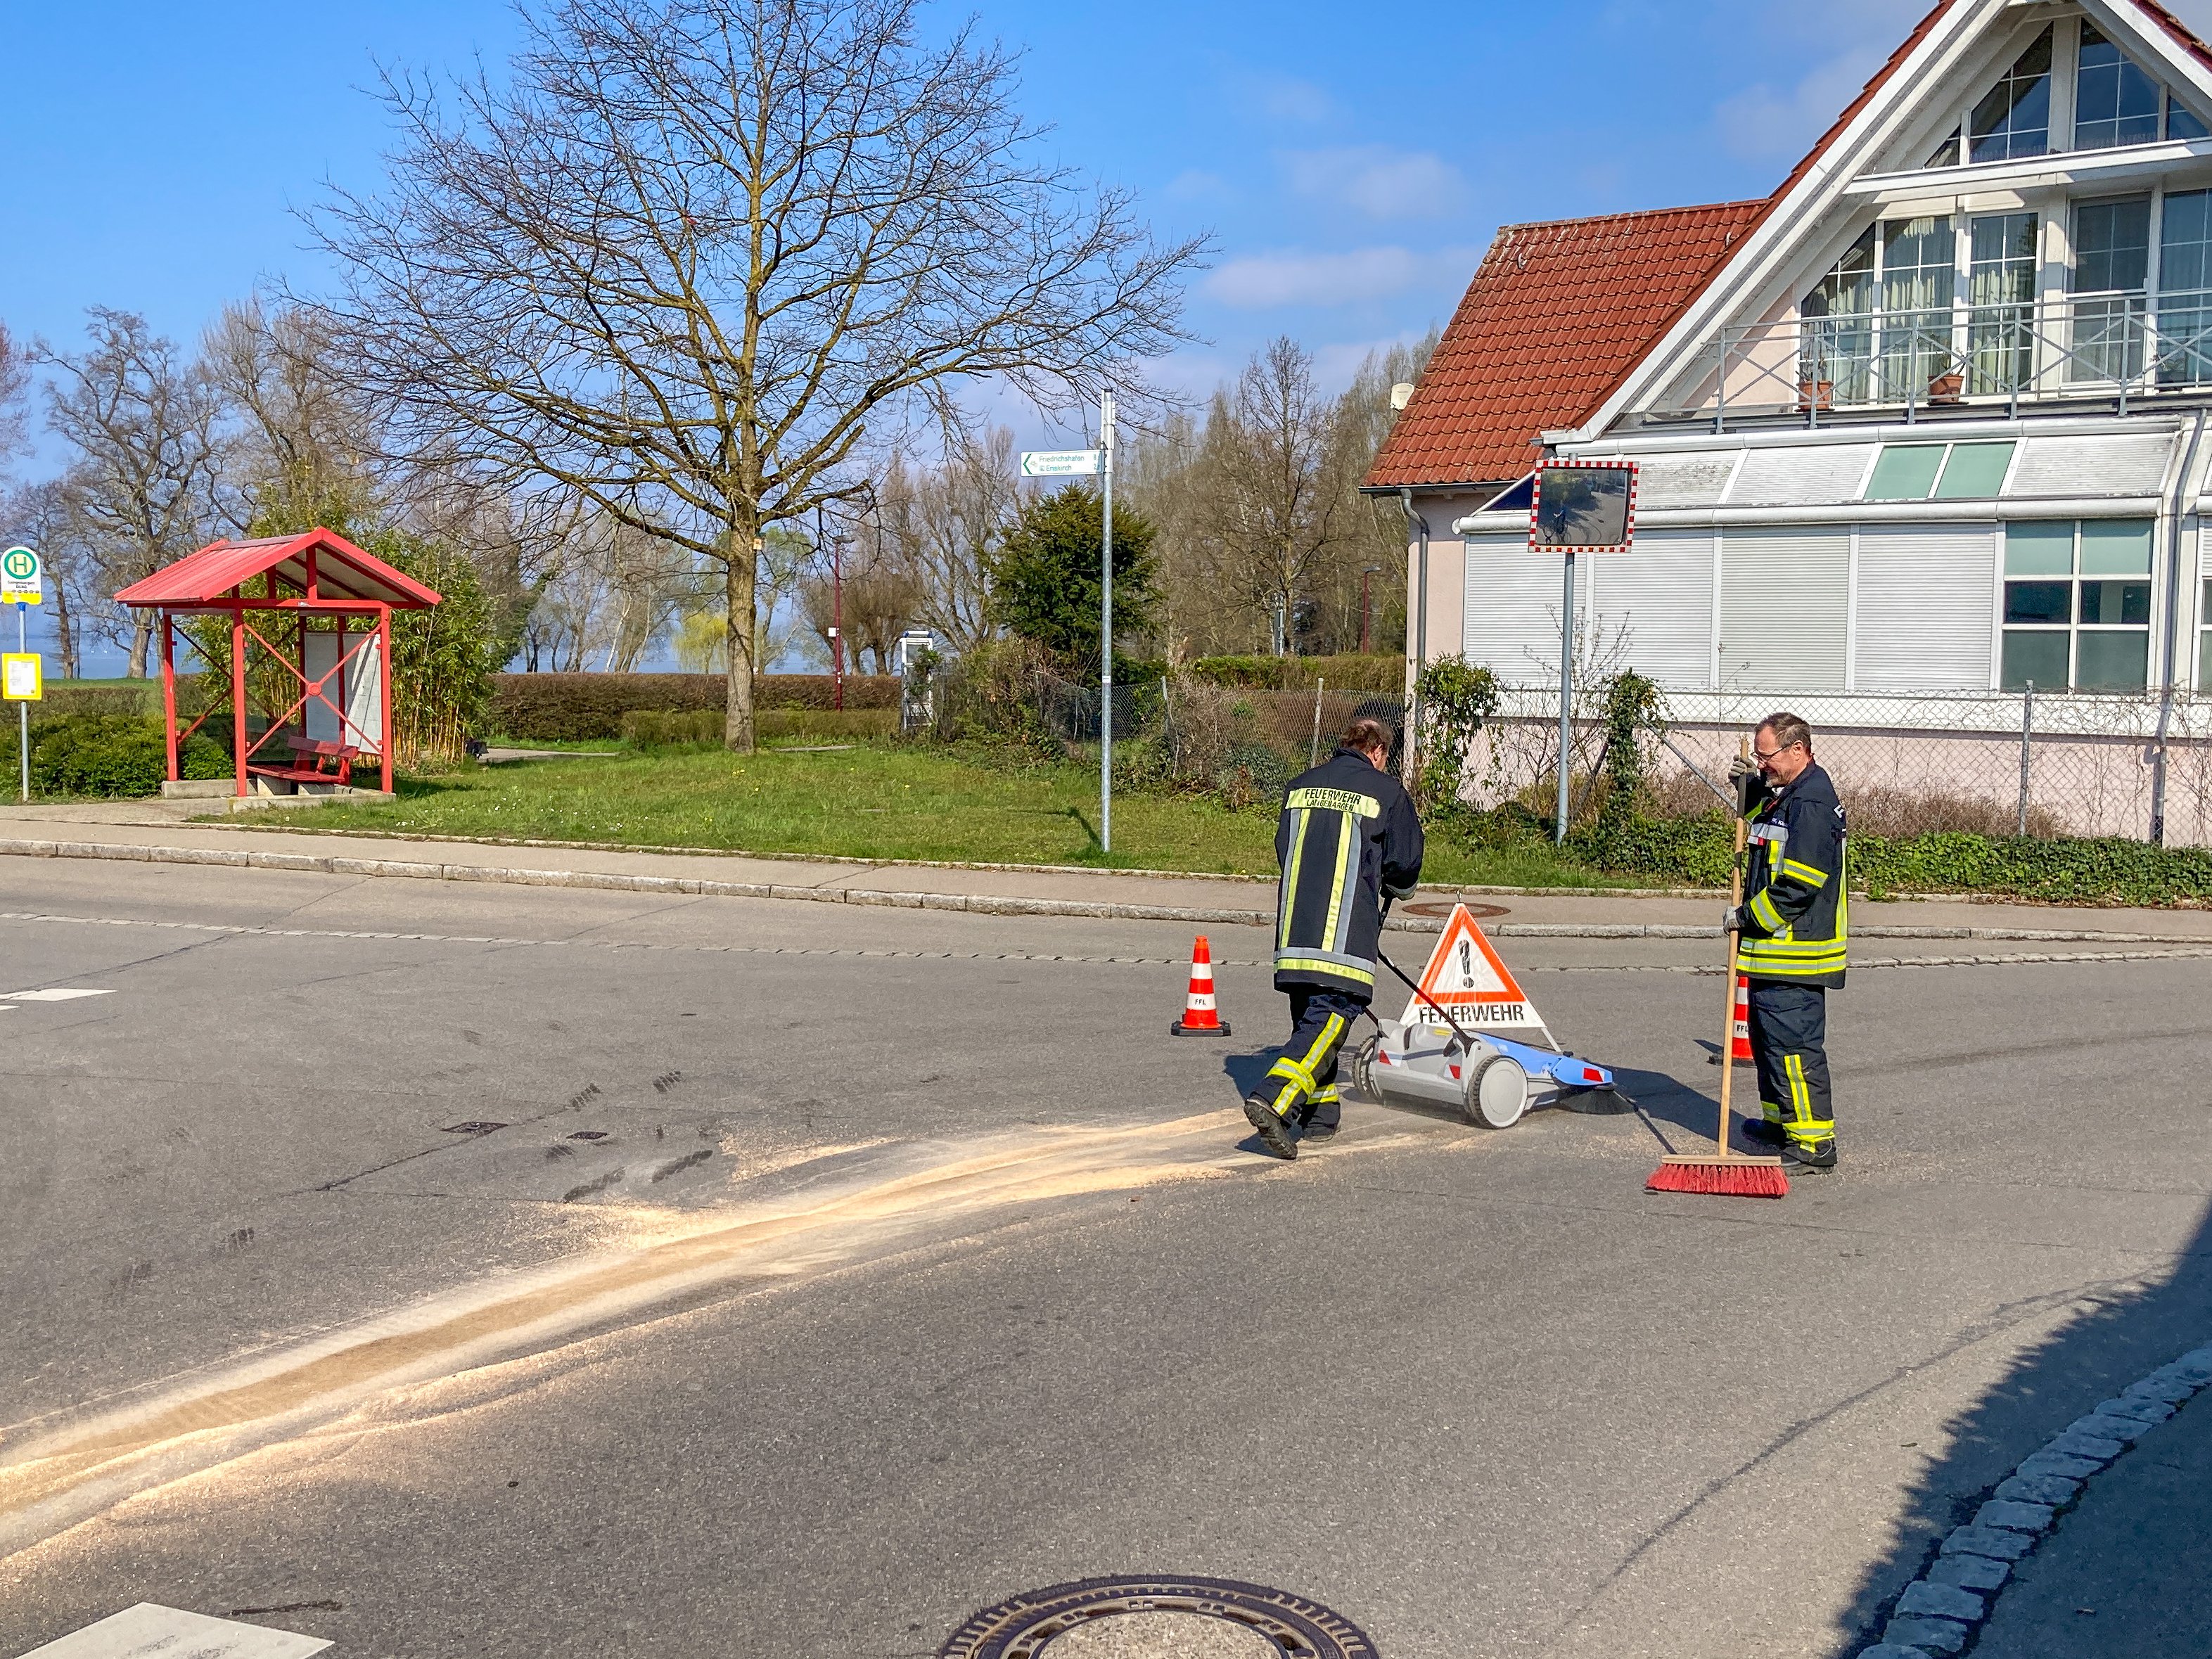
(1815, 394)
(1947, 388)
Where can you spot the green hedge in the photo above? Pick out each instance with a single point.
(109, 755)
(2106, 870)
(701, 728)
(1346, 673)
(565, 707)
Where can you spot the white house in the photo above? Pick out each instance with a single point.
(1925, 426)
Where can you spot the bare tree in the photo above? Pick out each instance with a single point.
(686, 256)
(1275, 511)
(14, 381)
(942, 523)
(149, 485)
(43, 516)
(304, 446)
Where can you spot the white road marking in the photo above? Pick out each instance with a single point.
(149, 1628)
(57, 993)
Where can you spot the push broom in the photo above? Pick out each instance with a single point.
(1722, 1172)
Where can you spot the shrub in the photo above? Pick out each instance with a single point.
(132, 697)
(1343, 673)
(567, 707)
(107, 755)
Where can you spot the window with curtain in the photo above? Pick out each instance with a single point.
(2077, 605)
(2185, 288)
(2014, 118)
(1836, 338)
(2115, 102)
(2000, 263)
(1919, 279)
(2111, 263)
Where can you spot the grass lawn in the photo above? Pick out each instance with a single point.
(868, 802)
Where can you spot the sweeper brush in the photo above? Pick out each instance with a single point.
(1722, 1173)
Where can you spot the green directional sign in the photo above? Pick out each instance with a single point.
(22, 577)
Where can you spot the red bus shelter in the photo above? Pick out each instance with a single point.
(344, 673)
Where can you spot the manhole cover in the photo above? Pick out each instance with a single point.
(1441, 909)
(1166, 1618)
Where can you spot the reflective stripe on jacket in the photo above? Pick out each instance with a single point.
(1796, 914)
(1346, 836)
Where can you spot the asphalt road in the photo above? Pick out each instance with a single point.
(836, 1272)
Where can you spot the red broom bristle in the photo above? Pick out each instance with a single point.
(1737, 1178)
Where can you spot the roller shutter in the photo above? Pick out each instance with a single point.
(1784, 593)
(1925, 595)
(1656, 601)
(1513, 608)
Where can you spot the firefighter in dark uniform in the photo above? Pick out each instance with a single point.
(1790, 930)
(1348, 839)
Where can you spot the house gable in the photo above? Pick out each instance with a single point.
(1873, 168)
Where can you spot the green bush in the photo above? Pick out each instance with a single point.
(1344, 673)
(701, 728)
(108, 755)
(2105, 869)
(567, 707)
(132, 697)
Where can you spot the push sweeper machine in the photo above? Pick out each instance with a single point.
(1435, 1054)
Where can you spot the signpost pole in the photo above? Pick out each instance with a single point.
(23, 709)
(1106, 623)
(1566, 695)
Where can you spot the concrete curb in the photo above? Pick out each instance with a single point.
(974, 903)
(1943, 1610)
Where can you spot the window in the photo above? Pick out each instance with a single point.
(2181, 121)
(2204, 641)
(2115, 102)
(1836, 340)
(1963, 472)
(2111, 258)
(2013, 119)
(2077, 605)
(2001, 302)
(1945, 155)
(2185, 288)
(1919, 274)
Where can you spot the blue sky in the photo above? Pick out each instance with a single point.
(1353, 161)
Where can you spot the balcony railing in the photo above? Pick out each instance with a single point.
(2086, 346)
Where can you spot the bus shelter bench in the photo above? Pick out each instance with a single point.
(313, 761)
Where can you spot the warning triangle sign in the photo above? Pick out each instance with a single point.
(1469, 979)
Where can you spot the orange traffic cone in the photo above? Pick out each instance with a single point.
(1739, 1040)
(1199, 1013)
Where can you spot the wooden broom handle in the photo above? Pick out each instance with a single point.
(1728, 979)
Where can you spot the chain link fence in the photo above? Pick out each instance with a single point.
(2007, 764)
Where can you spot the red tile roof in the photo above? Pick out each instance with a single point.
(1556, 315)
(343, 571)
(1559, 313)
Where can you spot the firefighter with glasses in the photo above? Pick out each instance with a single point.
(1348, 840)
(1791, 932)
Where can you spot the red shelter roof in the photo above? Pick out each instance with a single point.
(1556, 315)
(317, 565)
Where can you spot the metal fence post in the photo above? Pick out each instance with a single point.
(2026, 731)
(1313, 749)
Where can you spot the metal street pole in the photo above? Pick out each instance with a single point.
(1566, 695)
(1365, 611)
(1106, 624)
(837, 613)
(23, 709)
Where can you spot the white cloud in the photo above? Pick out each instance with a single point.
(1197, 185)
(1291, 276)
(1765, 123)
(1378, 181)
(1282, 97)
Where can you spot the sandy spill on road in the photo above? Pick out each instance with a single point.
(836, 1211)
